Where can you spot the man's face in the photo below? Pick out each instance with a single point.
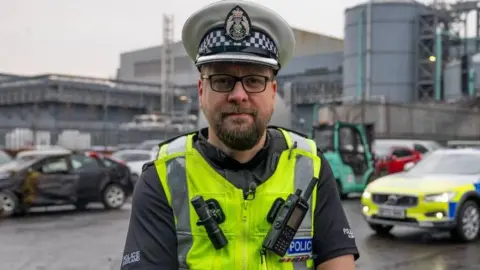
(240, 116)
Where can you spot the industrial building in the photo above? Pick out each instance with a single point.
(145, 65)
(391, 58)
(316, 67)
(408, 67)
(42, 108)
(392, 49)
(405, 52)
(6, 77)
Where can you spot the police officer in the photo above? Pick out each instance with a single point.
(238, 161)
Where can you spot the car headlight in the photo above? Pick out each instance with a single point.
(366, 195)
(440, 197)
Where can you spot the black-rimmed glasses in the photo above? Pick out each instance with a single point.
(226, 83)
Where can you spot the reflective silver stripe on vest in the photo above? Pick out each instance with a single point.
(177, 145)
(303, 176)
(177, 182)
(302, 143)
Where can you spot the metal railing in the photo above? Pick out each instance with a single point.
(412, 121)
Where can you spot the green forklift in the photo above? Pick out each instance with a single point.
(348, 149)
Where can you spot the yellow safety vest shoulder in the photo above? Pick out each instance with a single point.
(185, 174)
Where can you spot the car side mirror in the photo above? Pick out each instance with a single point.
(408, 166)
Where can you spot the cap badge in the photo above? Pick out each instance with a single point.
(237, 24)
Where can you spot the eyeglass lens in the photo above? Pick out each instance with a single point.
(225, 83)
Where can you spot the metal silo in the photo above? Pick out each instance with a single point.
(451, 81)
(380, 50)
(474, 75)
(453, 78)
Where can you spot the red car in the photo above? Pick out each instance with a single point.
(393, 159)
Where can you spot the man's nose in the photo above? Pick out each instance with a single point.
(238, 94)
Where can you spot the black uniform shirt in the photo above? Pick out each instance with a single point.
(151, 241)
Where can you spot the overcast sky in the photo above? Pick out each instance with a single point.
(85, 37)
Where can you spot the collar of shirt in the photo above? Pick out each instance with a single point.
(220, 159)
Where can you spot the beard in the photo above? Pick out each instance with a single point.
(238, 134)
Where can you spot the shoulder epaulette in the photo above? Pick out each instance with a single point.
(290, 130)
(175, 137)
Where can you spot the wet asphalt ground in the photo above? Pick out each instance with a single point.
(94, 239)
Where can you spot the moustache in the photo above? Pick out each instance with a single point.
(238, 110)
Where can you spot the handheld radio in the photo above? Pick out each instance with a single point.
(286, 217)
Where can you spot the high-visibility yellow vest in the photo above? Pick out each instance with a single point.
(185, 174)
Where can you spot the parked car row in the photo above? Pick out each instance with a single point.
(134, 159)
(393, 155)
(135, 156)
(62, 177)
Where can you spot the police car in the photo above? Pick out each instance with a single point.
(441, 192)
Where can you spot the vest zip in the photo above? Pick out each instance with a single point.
(245, 231)
(263, 259)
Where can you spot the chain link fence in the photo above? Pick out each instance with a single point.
(79, 138)
(439, 122)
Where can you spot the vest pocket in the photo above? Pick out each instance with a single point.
(217, 261)
(302, 266)
(263, 204)
(223, 202)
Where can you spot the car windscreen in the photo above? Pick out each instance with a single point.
(381, 151)
(27, 158)
(442, 163)
(15, 165)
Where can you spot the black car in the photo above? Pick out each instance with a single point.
(63, 179)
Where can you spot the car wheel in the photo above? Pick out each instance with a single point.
(113, 196)
(8, 204)
(468, 223)
(381, 229)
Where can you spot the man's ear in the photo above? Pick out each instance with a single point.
(200, 92)
(275, 89)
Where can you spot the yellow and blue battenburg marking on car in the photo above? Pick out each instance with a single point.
(441, 192)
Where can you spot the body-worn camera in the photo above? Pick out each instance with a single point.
(286, 217)
(210, 215)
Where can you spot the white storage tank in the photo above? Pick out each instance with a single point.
(74, 139)
(19, 138)
(453, 79)
(43, 138)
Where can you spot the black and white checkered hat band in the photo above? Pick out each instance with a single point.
(217, 39)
